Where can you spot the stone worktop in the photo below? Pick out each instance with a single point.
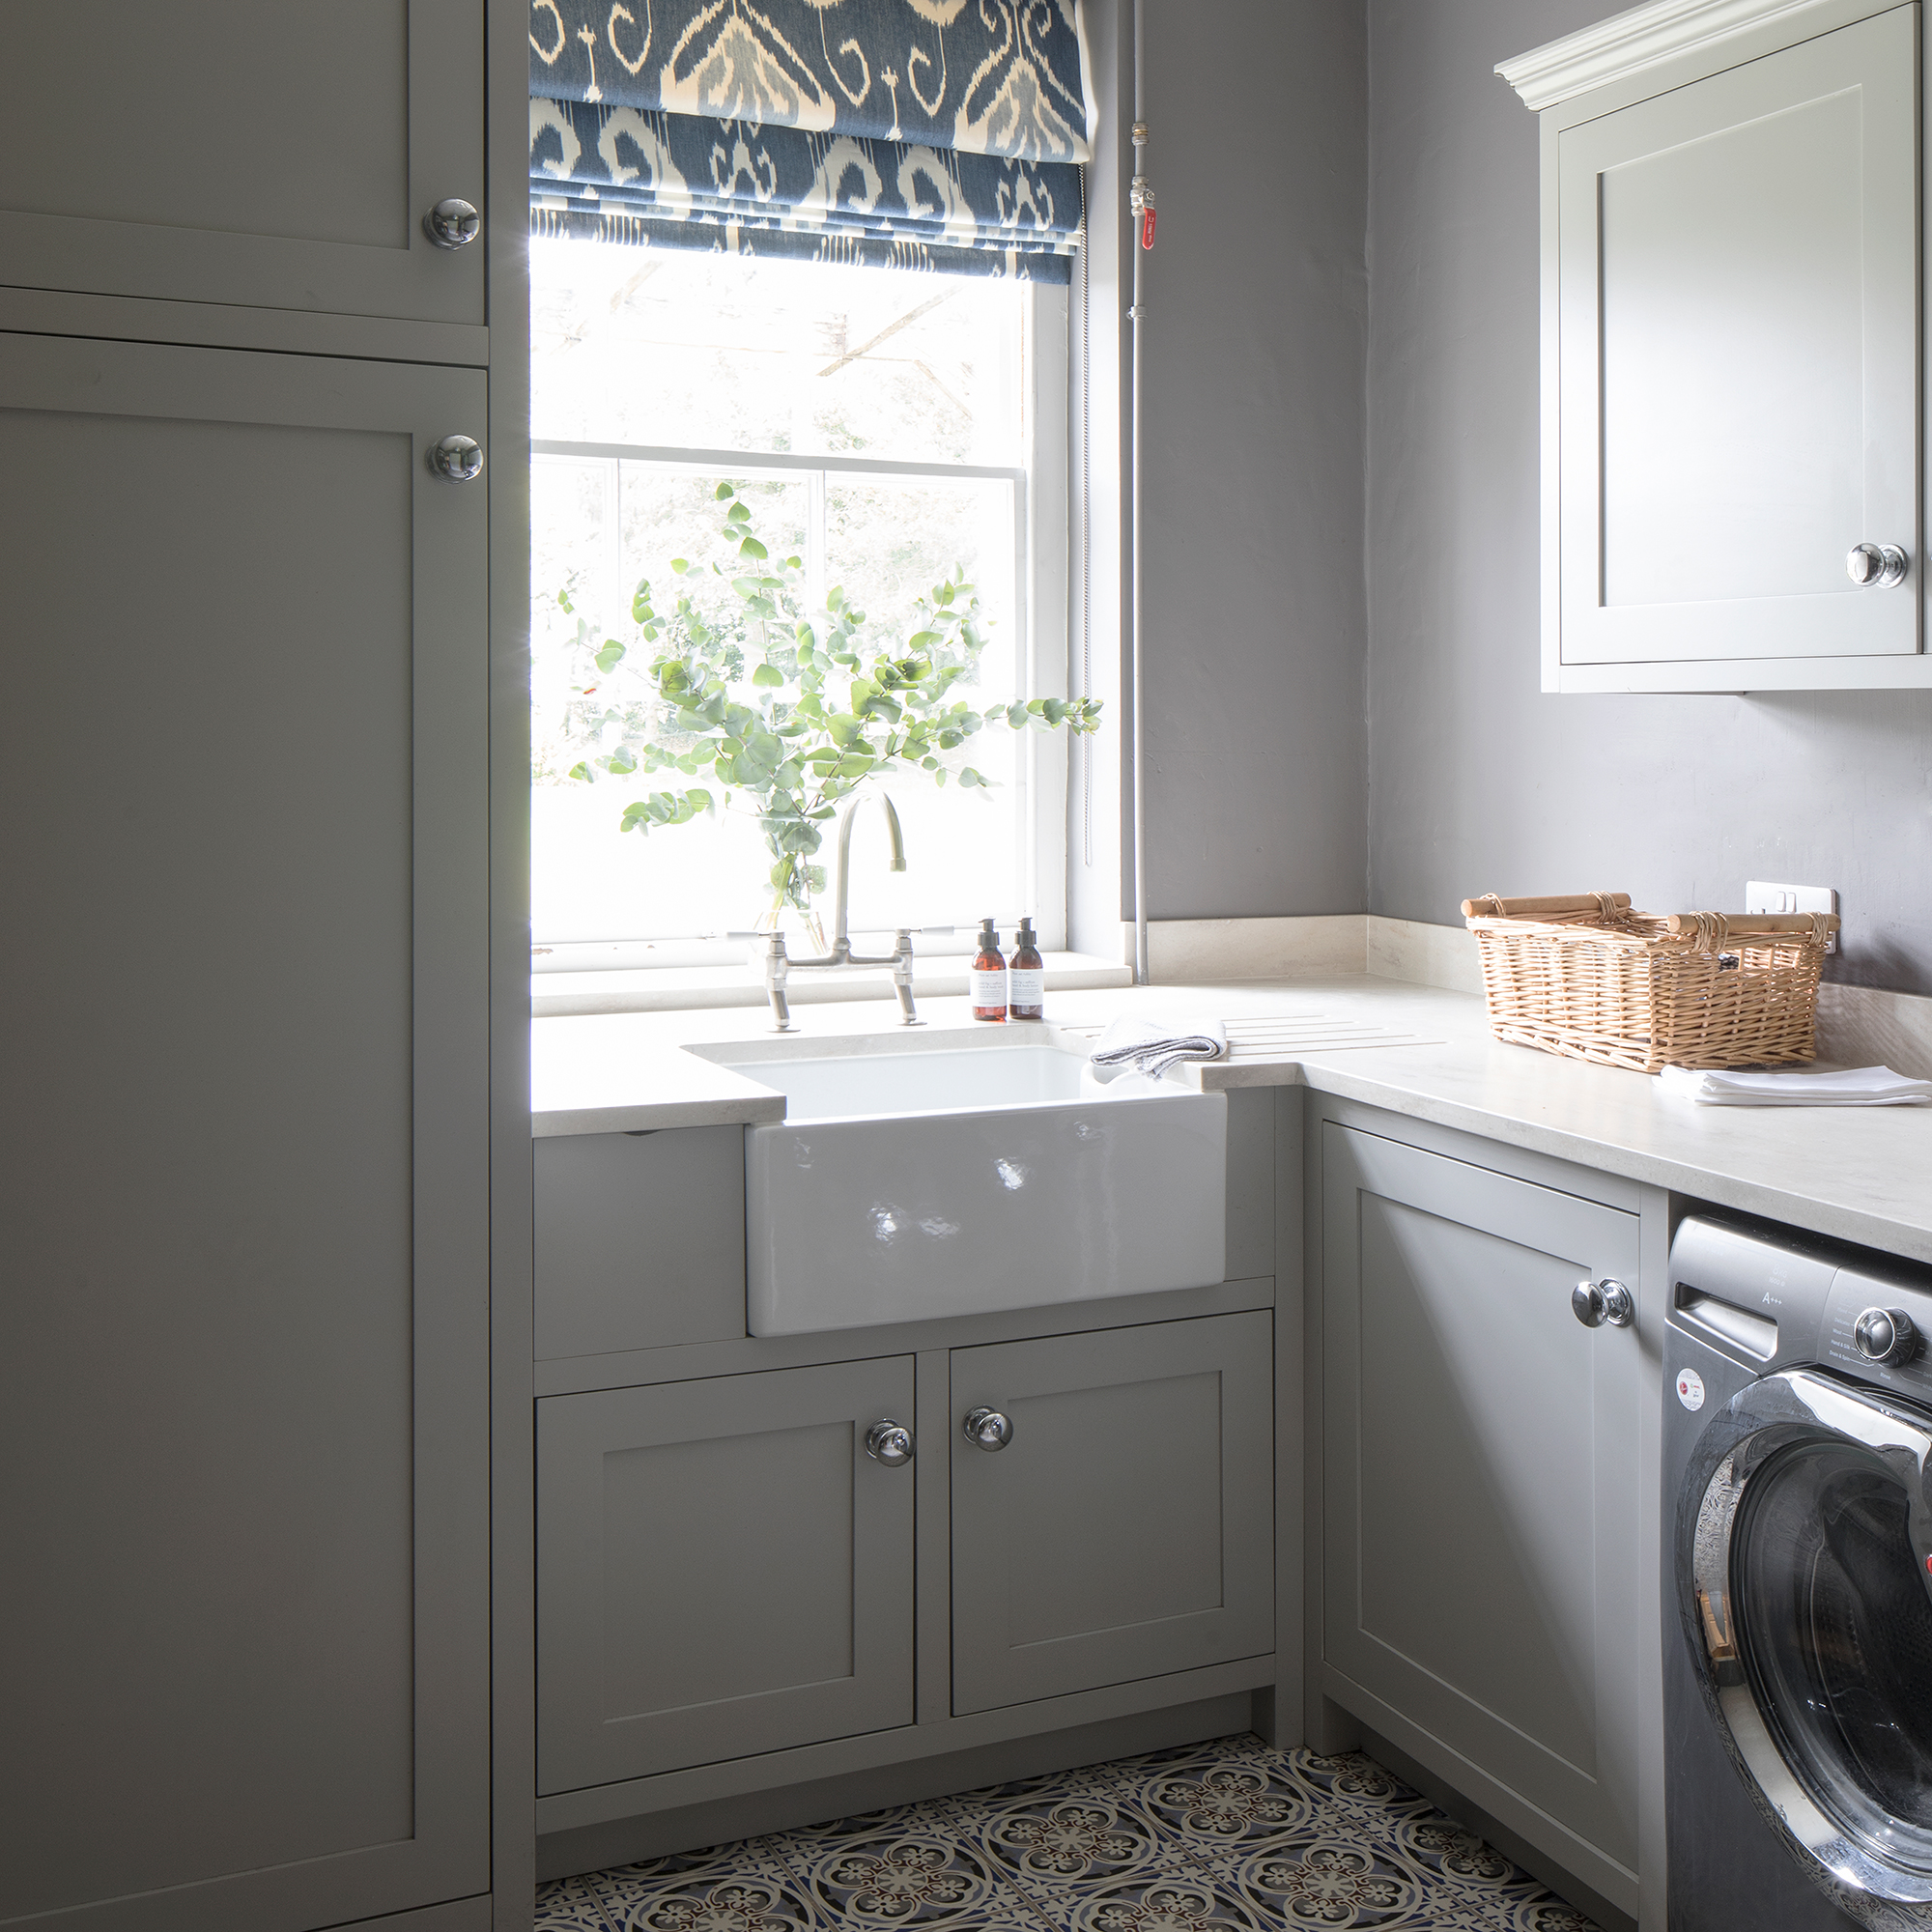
(1862, 1175)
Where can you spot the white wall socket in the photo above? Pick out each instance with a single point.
(1760, 896)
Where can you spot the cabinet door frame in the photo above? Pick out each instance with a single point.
(87, 255)
(990, 1673)
(578, 1744)
(447, 1857)
(1862, 640)
(1557, 1805)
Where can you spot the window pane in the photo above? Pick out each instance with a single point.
(678, 351)
(718, 352)
(888, 544)
(591, 880)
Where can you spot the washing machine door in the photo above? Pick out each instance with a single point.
(1805, 1561)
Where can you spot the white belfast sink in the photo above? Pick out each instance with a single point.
(921, 1177)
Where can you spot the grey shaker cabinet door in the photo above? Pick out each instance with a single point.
(721, 1569)
(1128, 1528)
(243, 1170)
(1738, 274)
(1480, 1473)
(271, 155)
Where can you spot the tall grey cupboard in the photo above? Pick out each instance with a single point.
(246, 858)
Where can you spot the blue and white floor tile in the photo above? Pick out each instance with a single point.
(1229, 1836)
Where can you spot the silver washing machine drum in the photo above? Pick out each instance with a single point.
(1805, 1566)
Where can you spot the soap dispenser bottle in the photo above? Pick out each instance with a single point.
(1026, 977)
(988, 979)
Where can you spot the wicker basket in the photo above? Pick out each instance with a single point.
(1591, 979)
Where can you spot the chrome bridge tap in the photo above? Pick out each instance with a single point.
(777, 965)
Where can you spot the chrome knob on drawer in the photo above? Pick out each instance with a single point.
(1885, 1336)
(1876, 565)
(987, 1429)
(457, 458)
(452, 224)
(1595, 1302)
(889, 1442)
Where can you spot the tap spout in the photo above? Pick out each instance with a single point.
(841, 943)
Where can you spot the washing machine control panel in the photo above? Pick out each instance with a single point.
(1878, 1329)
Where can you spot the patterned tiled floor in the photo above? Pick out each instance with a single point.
(1229, 1836)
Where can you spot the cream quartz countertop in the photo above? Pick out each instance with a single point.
(1862, 1174)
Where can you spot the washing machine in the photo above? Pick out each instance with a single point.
(1798, 1582)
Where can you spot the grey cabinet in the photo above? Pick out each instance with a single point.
(243, 1170)
(639, 1239)
(1480, 1489)
(1731, 372)
(1128, 1528)
(266, 157)
(724, 1568)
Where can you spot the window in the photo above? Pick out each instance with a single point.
(881, 425)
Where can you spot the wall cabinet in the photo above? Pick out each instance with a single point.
(244, 1340)
(278, 157)
(1479, 1489)
(1731, 365)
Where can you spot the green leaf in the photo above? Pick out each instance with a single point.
(753, 548)
(610, 657)
(680, 564)
(723, 491)
(769, 676)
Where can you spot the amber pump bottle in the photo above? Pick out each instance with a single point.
(988, 980)
(1026, 977)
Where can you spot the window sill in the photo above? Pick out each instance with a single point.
(667, 989)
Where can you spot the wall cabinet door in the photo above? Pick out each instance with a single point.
(1737, 273)
(277, 156)
(243, 1170)
(1128, 1528)
(1480, 1478)
(721, 1569)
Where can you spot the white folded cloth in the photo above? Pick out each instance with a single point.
(1851, 1087)
(1154, 1045)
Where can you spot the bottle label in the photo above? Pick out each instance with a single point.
(1026, 986)
(987, 990)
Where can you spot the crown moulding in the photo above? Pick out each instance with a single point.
(1625, 44)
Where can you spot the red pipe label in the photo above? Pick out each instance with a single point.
(1147, 228)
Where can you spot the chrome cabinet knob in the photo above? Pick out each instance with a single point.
(1595, 1302)
(452, 224)
(987, 1429)
(1876, 565)
(1884, 1335)
(459, 458)
(890, 1442)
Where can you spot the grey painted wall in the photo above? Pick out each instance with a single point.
(1252, 424)
(1478, 783)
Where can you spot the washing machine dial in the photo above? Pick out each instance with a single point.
(1884, 1335)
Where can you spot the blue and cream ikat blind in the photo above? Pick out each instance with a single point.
(906, 133)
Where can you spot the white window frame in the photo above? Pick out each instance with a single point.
(1041, 542)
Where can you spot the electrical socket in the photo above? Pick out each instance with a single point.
(1760, 896)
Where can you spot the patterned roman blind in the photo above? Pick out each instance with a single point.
(908, 133)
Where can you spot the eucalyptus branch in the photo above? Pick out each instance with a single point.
(733, 680)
